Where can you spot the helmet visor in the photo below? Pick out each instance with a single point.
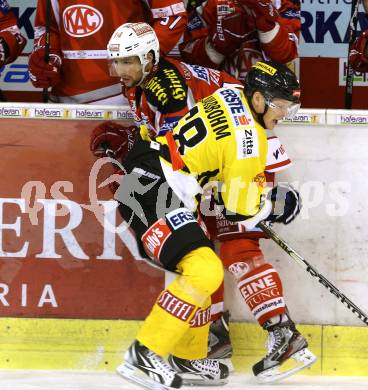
(288, 109)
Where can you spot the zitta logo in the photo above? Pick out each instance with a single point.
(360, 79)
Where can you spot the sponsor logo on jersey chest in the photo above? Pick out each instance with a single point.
(82, 20)
(247, 143)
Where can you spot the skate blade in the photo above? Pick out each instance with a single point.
(196, 380)
(134, 375)
(304, 356)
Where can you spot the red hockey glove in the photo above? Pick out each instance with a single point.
(265, 13)
(11, 46)
(42, 74)
(229, 34)
(116, 137)
(359, 53)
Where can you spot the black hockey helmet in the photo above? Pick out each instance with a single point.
(273, 80)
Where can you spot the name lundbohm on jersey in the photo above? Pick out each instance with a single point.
(247, 143)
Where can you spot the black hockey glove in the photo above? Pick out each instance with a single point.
(286, 204)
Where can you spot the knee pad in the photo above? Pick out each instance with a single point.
(241, 256)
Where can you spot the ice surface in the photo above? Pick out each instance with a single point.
(57, 380)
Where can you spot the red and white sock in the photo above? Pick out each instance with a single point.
(261, 289)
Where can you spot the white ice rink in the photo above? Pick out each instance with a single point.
(51, 380)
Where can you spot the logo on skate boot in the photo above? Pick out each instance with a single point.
(82, 20)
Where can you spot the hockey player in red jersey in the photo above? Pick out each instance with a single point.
(359, 53)
(234, 34)
(168, 88)
(160, 90)
(12, 42)
(77, 68)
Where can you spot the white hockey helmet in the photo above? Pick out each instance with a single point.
(134, 39)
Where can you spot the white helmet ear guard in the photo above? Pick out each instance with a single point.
(134, 39)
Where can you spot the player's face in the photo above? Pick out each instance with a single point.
(129, 70)
(277, 110)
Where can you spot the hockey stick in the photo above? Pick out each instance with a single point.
(2, 96)
(349, 70)
(110, 153)
(312, 271)
(45, 92)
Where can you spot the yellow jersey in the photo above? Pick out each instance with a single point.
(218, 140)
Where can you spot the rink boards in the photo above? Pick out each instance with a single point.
(60, 259)
(61, 344)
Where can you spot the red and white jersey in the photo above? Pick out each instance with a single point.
(7, 17)
(279, 44)
(171, 91)
(11, 34)
(80, 31)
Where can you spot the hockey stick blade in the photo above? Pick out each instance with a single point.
(314, 272)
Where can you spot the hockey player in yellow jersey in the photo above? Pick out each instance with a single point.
(221, 141)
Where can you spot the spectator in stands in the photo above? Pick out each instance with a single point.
(77, 69)
(359, 53)
(233, 35)
(12, 42)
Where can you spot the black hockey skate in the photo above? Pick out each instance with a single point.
(200, 372)
(219, 343)
(284, 342)
(147, 369)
